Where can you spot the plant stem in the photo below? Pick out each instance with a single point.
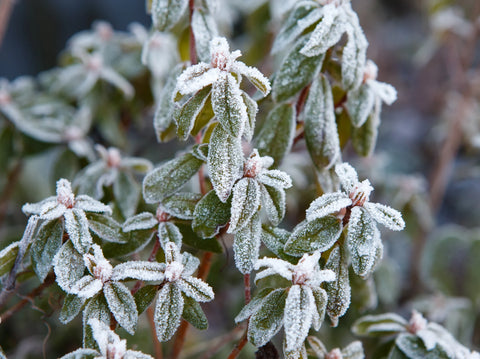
(205, 265)
(220, 342)
(238, 348)
(193, 49)
(156, 342)
(246, 283)
(29, 298)
(5, 12)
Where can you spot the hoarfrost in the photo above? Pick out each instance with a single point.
(195, 288)
(329, 203)
(245, 202)
(141, 270)
(299, 311)
(385, 215)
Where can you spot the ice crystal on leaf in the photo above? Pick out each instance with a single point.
(304, 305)
(109, 345)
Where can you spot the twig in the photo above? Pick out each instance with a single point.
(29, 298)
(238, 348)
(246, 283)
(205, 265)
(179, 339)
(156, 342)
(220, 342)
(6, 7)
(193, 50)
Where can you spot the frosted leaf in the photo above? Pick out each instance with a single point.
(307, 271)
(144, 220)
(97, 265)
(354, 53)
(80, 354)
(274, 266)
(299, 309)
(253, 305)
(140, 270)
(87, 287)
(362, 237)
(364, 138)
(329, 203)
(122, 305)
(106, 228)
(225, 157)
(245, 203)
(186, 115)
(321, 299)
(173, 271)
(299, 353)
(166, 13)
(96, 308)
(317, 346)
(72, 305)
(347, 176)
(385, 215)
(52, 210)
(134, 354)
(328, 31)
(168, 311)
(353, 350)
(196, 77)
(382, 324)
(255, 76)
(274, 203)
(428, 338)
(76, 225)
(385, 92)
(252, 109)
(305, 14)
(204, 30)
(89, 204)
(190, 264)
(172, 253)
(359, 104)
(117, 80)
(268, 319)
(210, 215)
(195, 288)
(68, 266)
(36, 208)
(228, 105)
(246, 245)
(168, 232)
(275, 178)
(321, 132)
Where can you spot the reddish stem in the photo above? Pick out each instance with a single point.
(156, 342)
(238, 348)
(246, 283)
(193, 50)
(5, 12)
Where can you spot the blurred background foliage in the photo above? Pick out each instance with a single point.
(426, 163)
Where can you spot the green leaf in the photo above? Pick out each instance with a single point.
(245, 203)
(170, 177)
(210, 214)
(253, 305)
(166, 13)
(276, 135)
(321, 300)
(299, 308)
(181, 205)
(273, 201)
(246, 244)
(359, 104)
(275, 239)
(204, 29)
(144, 297)
(136, 240)
(144, 220)
(106, 228)
(317, 235)
(225, 157)
(252, 109)
(76, 225)
(122, 305)
(339, 291)
(268, 319)
(414, 348)
(186, 115)
(228, 105)
(96, 308)
(321, 133)
(364, 138)
(168, 311)
(193, 313)
(72, 305)
(191, 239)
(296, 72)
(7, 257)
(379, 325)
(47, 243)
(127, 193)
(169, 232)
(68, 266)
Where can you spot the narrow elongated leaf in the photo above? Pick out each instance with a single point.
(181, 205)
(45, 246)
(321, 300)
(210, 214)
(273, 201)
(7, 257)
(360, 104)
(246, 245)
(379, 325)
(329, 203)
(353, 350)
(385, 215)
(144, 297)
(225, 157)
(413, 348)
(275, 178)
(166, 13)
(68, 266)
(296, 72)
(72, 305)
(106, 228)
(364, 138)
(87, 287)
(140, 221)
(127, 193)
(76, 225)
(228, 105)
(301, 17)
(339, 290)
(168, 311)
(170, 177)
(275, 238)
(268, 319)
(317, 235)
(321, 132)
(79, 353)
(195, 288)
(204, 29)
(276, 135)
(193, 313)
(141, 270)
(97, 308)
(299, 309)
(186, 115)
(192, 239)
(168, 232)
(136, 241)
(362, 238)
(245, 203)
(354, 54)
(253, 305)
(122, 305)
(252, 109)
